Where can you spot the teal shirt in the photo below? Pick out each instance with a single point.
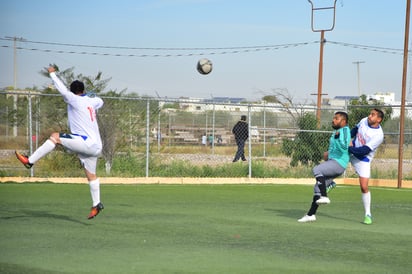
(338, 147)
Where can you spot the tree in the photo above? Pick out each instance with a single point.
(108, 124)
(308, 145)
(283, 97)
(361, 107)
(91, 83)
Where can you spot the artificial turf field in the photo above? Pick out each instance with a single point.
(201, 229)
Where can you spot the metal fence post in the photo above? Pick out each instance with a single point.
(213, 129)
(147, 136)
(264, 129)
(250, 141)
(30, 135)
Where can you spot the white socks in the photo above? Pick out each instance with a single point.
(44, 149)
(366, 199)
(95, 191)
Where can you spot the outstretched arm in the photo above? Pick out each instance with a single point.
(61, 87)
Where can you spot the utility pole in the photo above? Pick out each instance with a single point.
(320, 79)
(321, 9)
(403, 103)
(357, 63)
(15, 39)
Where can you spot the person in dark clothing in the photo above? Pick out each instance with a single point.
(241, 132)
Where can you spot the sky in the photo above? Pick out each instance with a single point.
(151, 47)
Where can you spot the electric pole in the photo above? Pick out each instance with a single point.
(357, 63)
(315, 10)
(15, 39)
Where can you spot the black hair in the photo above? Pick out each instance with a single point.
(343, 114)
(380, 113)
(243, 117)
(77, 87)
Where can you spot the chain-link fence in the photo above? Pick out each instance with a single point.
(165, 137)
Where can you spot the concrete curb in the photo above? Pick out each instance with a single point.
(214, 181)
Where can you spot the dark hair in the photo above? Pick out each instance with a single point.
(343, 114)
(243, 117)
(380, 113)
(77, 87)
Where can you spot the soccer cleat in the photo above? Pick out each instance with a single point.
(323, 200)
(367, 220)
(330, 187)
(23, 159)
(95, 210)
(307, 218)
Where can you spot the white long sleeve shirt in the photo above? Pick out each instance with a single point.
(81, 112)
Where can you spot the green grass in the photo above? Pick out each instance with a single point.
(201, 229)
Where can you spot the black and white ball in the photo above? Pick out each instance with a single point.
(204, 66)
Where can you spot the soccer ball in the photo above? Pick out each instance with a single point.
(204, 66)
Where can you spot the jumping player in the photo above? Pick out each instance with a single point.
(368, 135)
(84, 139)
(336, 161)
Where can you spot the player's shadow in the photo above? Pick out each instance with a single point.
(40, 214)
(298, 213)
(291, 213)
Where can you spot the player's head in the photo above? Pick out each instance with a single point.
(380, 113)
(243, 117)
(375, 117)
(77, 87)
(340, 119)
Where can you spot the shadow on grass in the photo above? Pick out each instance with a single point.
(298, 213)
(40, 214)
(291, 213)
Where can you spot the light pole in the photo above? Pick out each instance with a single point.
(357, 63)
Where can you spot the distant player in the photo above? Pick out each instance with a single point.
(368, 135)
(84, 139)
(336, 161)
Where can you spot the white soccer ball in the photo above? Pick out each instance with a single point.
(204, 66)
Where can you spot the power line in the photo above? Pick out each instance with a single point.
(185, 51)
(369, 48)
(154, 48)
(224, 51)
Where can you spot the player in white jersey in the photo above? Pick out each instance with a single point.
(84, 139)
(368, 135)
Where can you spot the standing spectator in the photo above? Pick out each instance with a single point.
(336, 161)
(84, 138)
(241, 132)
(368, 135)
(204, 140)
(210, 140)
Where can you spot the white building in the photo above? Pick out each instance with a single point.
(387, 98)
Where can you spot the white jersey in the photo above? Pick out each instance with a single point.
(368, 136)
(81, 112)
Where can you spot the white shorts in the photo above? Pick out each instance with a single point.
(363, 169)
(87, 153)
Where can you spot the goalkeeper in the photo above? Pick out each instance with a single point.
(84, 139)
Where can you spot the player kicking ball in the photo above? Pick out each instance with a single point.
(336, 161)
(84, 139)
